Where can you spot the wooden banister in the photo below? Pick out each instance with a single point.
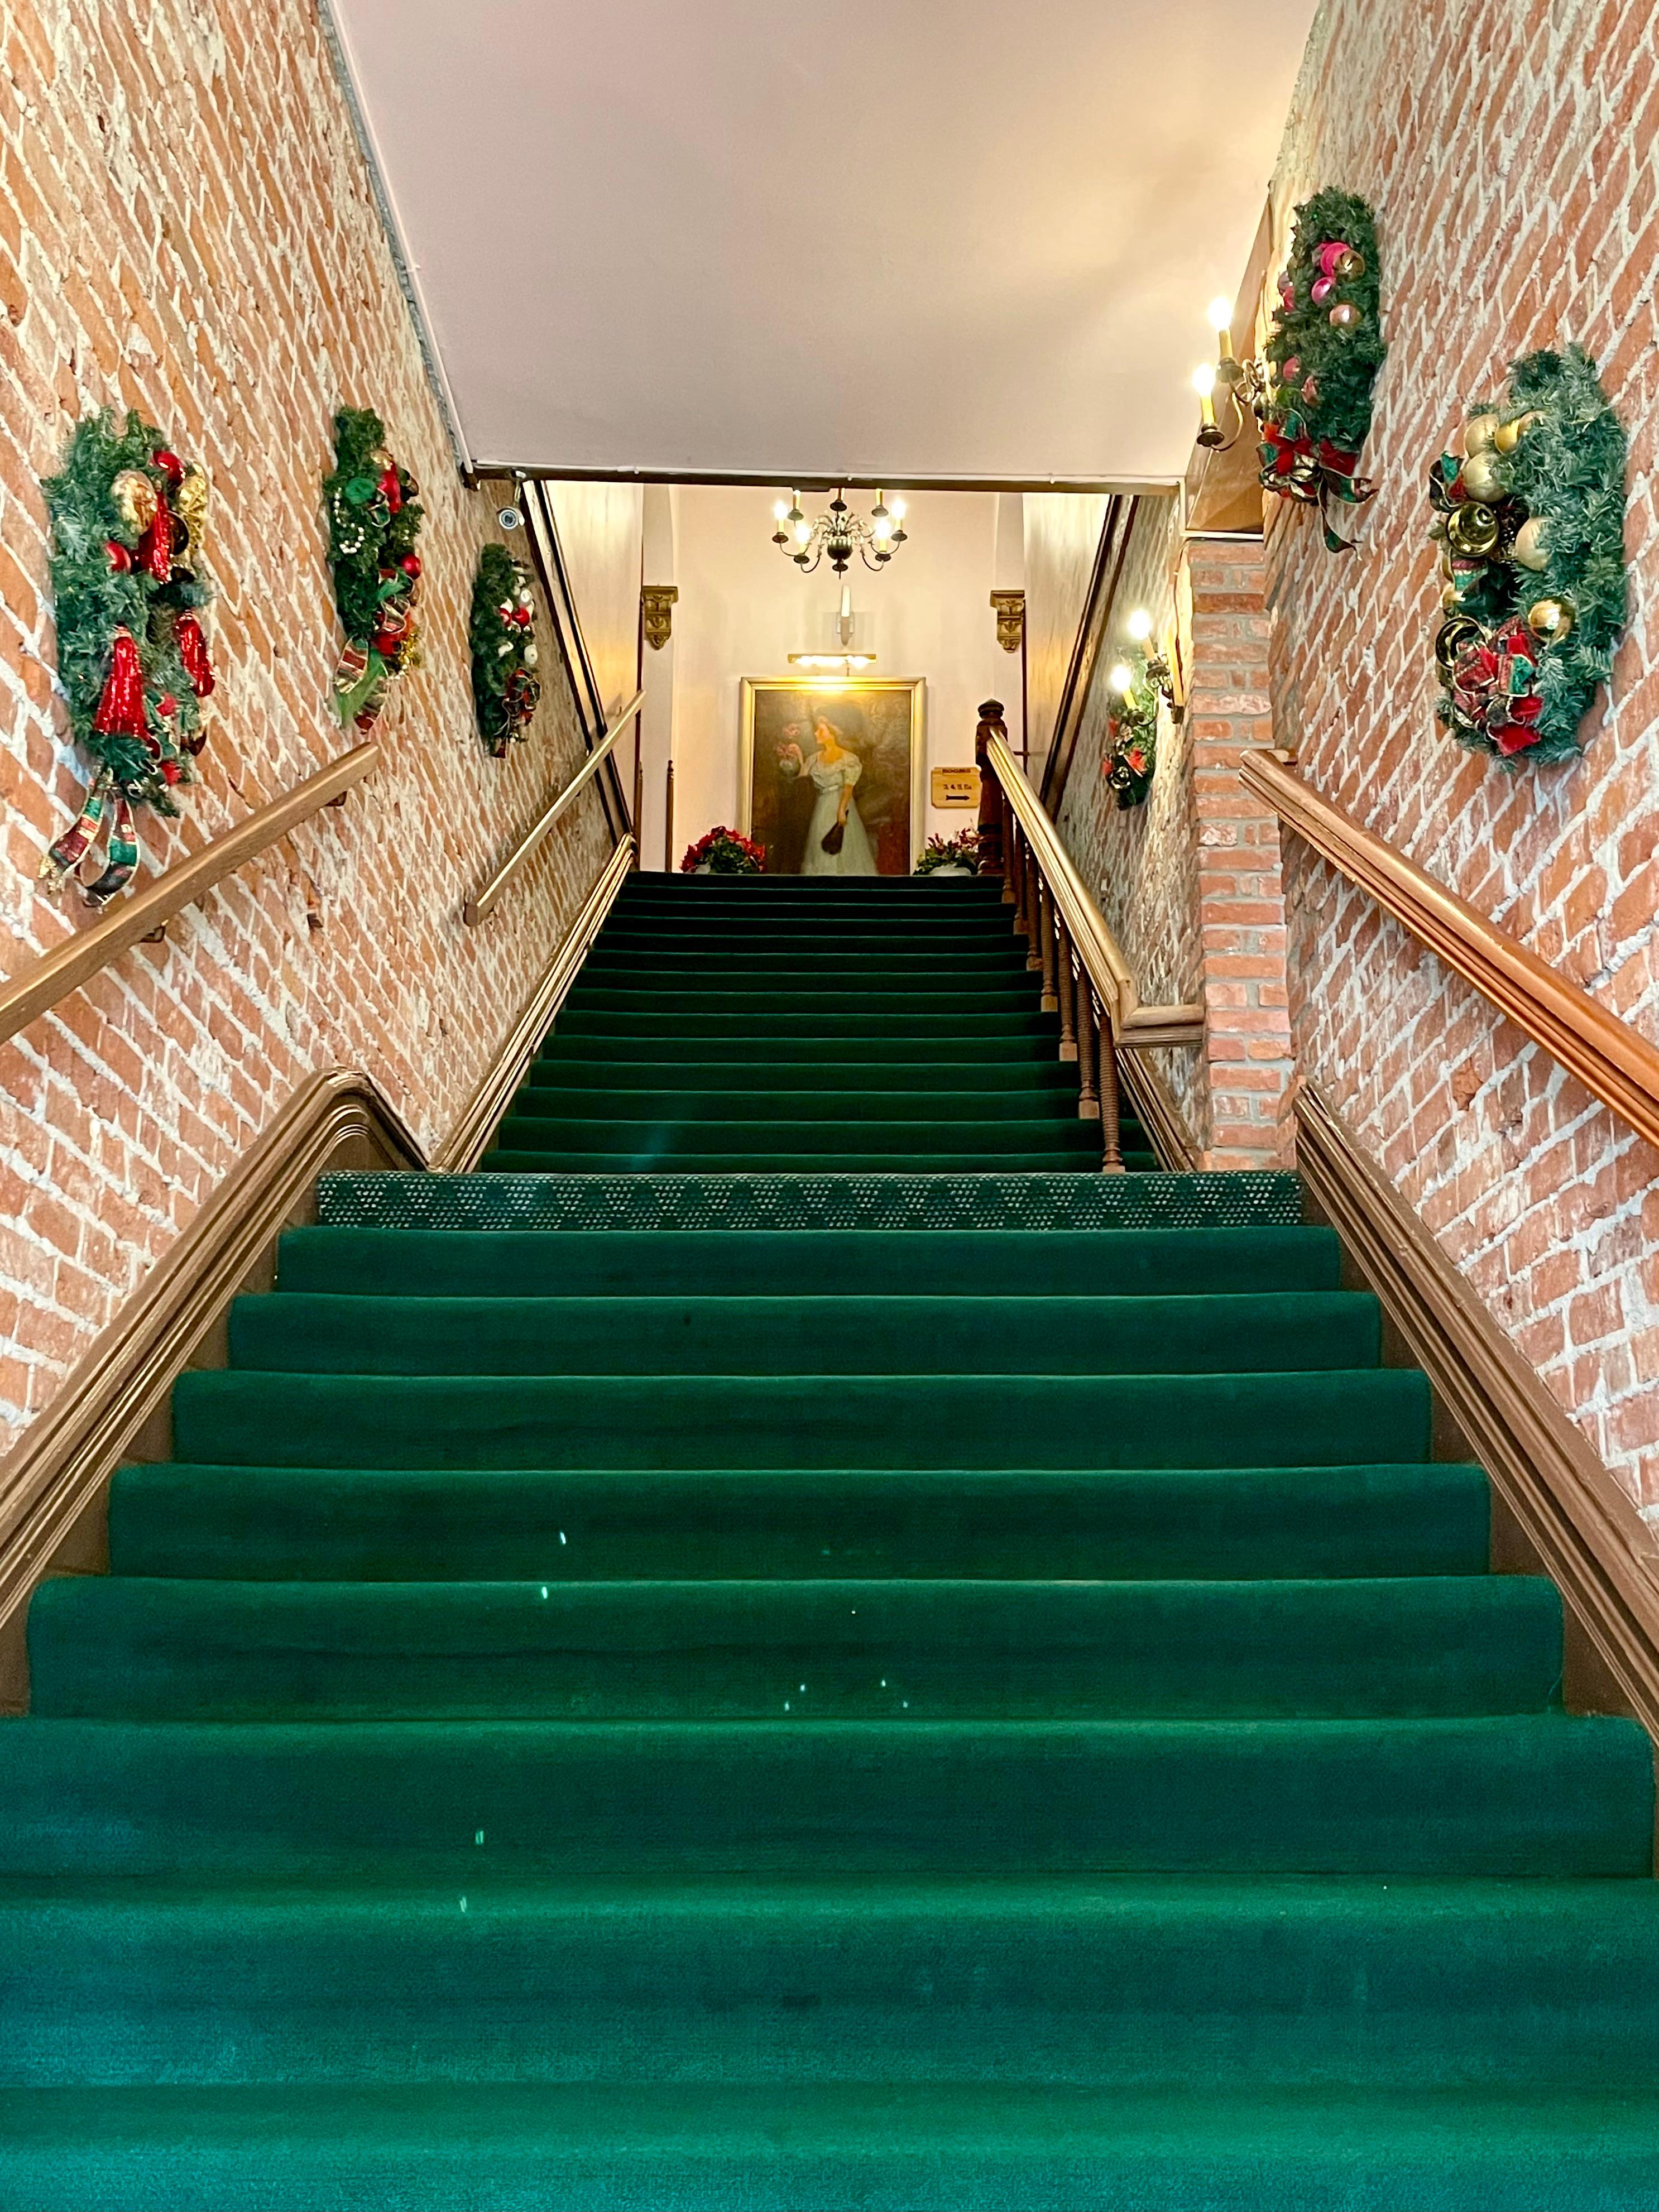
(485, 900)
(36, 988)
(1136, 1027)
(1612, 1059)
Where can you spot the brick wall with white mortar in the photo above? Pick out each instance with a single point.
(186, 227)
(1509, 148)
(1189, 882)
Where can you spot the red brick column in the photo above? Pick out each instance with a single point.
(1241, 900)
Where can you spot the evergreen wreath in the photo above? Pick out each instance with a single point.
(1322, 358)
(723, 852)
(505, 689)
(1130, 759)
(126, 517)
(1531, 522)
(373, 521)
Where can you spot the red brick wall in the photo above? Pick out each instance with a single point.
(1509, 148)
(185, 226)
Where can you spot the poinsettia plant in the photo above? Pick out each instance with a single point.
(723, 852)
(959, 851)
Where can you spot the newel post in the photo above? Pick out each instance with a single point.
(991, 801)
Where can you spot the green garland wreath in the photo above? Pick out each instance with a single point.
(127, 516)
(373, 521)
(502, 635)
(1323, 357)
(1531, 522)
(1130, 760)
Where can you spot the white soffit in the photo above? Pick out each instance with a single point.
(907, 238)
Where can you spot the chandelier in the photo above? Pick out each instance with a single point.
(838, 534)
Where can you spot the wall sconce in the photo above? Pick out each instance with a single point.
(1242, 385)
(1159, 672)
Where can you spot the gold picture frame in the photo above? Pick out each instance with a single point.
(881, 721)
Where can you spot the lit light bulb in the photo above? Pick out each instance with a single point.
(882, 528)
(1220, 312)
(1140, 625)
(1204, 379)
(780, 510)
(803, 531)
(1121, 679)
(897, 510)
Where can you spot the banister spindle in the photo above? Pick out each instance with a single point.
(1017, 876)
(1067, 991)
(1008, 833)
(1033, 911)
(1112, 1159)
(1046, 919)
(1088, 1094)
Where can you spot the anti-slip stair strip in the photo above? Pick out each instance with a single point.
(912, 1201)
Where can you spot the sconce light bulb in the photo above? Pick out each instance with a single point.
(1221, 312)
(1140, 625)
(1204, 379)
(803, 531)
(780, 510)
(897, 510)
(1121, 679)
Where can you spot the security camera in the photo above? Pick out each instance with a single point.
(510, 518)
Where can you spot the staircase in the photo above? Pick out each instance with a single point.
(791, 1646)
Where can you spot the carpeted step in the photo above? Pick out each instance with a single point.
(884, 2146)
(1114, 1980)
(324, 1333)
(811, 1419)
(970, 1263)
(651, 1159)
(859, 1030)
(757, 1004)
(936, 1112)
(460, 1800)
(670, 965)
(262, 1523)
(759, 1133)
(830, 1054)
(121, 1647)
(669, 1076)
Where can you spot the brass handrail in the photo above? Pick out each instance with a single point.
(35, 990)
(1137, 1028)
(483, 903)
(1612, 1059)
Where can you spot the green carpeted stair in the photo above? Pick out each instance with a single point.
(929, 1677)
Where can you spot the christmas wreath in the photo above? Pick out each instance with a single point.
(961, 851)
(126, 519)
(373, 521)
(505, 688)
(1531, 518)
(1322, 359)
(723, 852)
(1130, 760)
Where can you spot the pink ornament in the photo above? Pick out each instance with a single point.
(1292, 372)
(1323, 288)
(1330, 254)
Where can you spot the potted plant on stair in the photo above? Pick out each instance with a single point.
(723, 852)
(950, 856)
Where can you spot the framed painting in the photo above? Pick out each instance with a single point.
(830, 775)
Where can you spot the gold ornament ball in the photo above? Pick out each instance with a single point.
(1509, 435)
(1483, 479)
(1479, 434)
(135, 498)
(1452, 637)
(1531, 548)
(1472, 530)
(1551, 619)
(1347, 266)
(1345, 315)
(1450, 599)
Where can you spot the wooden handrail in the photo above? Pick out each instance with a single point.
(483, 903)
(1612, 1060)
(35, 990)
(1137, 1028)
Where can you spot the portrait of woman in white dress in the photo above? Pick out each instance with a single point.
(837, 842)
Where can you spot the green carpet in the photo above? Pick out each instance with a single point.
(696, 1702)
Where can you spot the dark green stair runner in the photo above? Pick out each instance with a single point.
(638, 1691)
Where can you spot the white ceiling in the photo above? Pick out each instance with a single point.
(912, 238)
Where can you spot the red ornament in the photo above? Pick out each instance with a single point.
(193, 651)
(156, 546)
(121, 707)
(410, 565)
(169, 464)
(119, 558)
(390, 489)
(167, 706)
(170, 772)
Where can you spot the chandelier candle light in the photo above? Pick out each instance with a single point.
(839, 534)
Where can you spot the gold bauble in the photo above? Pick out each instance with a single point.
(1478, 433)
(1345, 315)
(1452, 637)
(1450, 598)
(1509, 435)
(135, 498)
(1347, 266)
(1531, 548)
(1551, 619)
(1472, 530)
(189, 510)
(1483, 477)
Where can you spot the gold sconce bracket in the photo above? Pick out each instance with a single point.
(1011, 619)
(657, 613)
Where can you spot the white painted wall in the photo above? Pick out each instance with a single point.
(599, 528)
(744, 607)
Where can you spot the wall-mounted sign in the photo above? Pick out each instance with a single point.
(956, 786)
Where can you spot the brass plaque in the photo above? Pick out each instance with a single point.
(956, 786)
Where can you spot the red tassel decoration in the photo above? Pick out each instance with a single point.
(193, 651)
(392, 489)
(156, 546)
(121, 707)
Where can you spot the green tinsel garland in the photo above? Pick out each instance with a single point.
(1323, 357)
(1130, 761)
(373, 521)
(503, 640)
(1531, 520)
